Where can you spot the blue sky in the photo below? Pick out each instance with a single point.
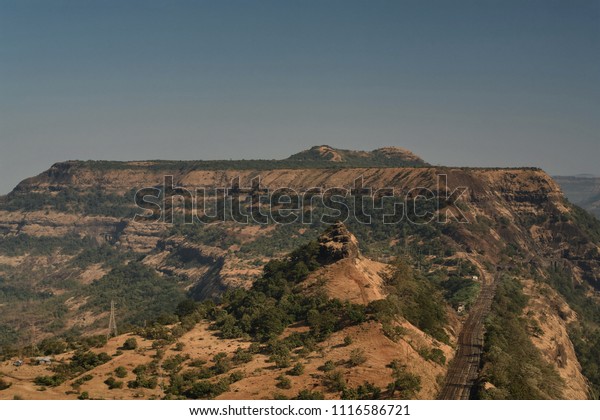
(480, 83)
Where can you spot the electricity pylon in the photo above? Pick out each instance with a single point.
(112, 324)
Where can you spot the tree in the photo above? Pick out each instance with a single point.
(404, 382)
(130, 344)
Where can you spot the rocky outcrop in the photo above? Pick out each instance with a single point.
(337, 243)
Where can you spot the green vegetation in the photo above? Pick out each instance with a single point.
(460, 291)
(106, 255)
(112, 383)
(120, 372)
(353, 161)
(334, 381)
(435, 355)
(585, 335)
(305, 394)
(296, 370)
(366, 391)
(145, 376)
(414, 297)
(586, 341)
(242, 356)
(283, 382)
(71, 200)
(207, 389)
(276, 301)
(13, 245)
(139, 292)
(81, 362)
(130, 344)
(404, 383)
(4, 385)
(357, 357)
(511, 362)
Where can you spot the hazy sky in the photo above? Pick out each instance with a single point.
(498, 83)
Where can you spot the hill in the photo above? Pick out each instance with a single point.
(69, 245)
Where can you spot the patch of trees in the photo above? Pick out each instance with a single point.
(81, 362)
(104, 254)
(414, 297)
(276, 301)
(70, 244)
(71, 200)
(139, 292)
(404, 382)
(460, 291)
(511, 362)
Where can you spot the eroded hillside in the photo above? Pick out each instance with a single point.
(69, 246)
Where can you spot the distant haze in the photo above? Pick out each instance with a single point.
(465, 83)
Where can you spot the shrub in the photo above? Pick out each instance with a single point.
(206, 389)
(297, 370)
(327, 366)
(142, 381)
(130, 344)
(197, 362)
(238, 375)
(242, 356)
(438, 356)
(366, 391)
(357, 357)
(305, 394)
(51, 381)
(347, 340)
(404, 382)
(113, 383)
(4, 385)
(334, 381)
(222, 363)
(173, 363)
(283, 382)
(281, 361)
(120, 372)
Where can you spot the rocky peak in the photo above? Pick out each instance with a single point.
(385, 156)
(337, 243)
(398, 153)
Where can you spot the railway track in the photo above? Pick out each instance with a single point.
(464, 368)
